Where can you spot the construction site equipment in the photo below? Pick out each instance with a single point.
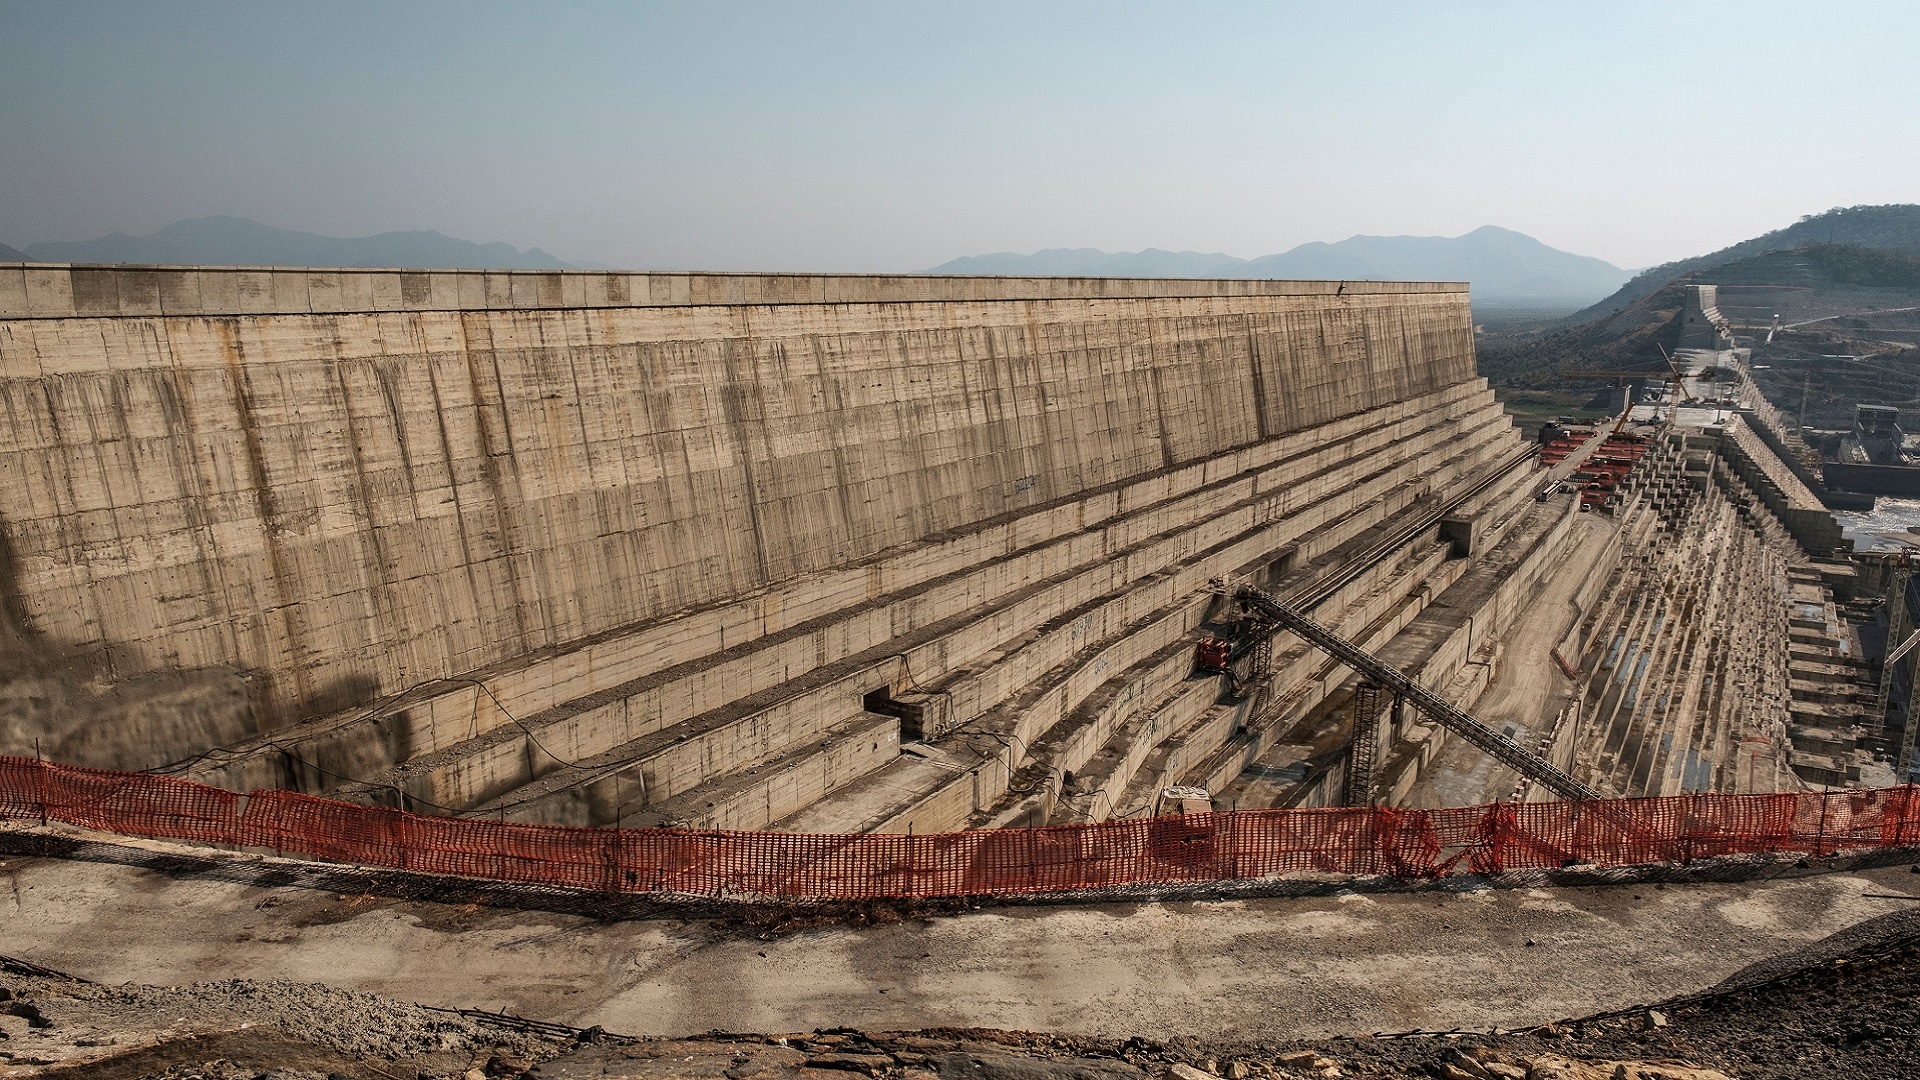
(1602, 473)
(1211, 655)
(1562, 443)
(1503, 749)
(1674, 377)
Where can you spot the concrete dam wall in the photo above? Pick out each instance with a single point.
(726, 539)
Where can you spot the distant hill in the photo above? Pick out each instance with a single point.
(1092, 262)
(1806, 284)
(8, 254)
(1894, 227)
(1503, 266)
(232, 241)
(1849, 318)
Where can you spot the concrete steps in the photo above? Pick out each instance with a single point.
(1394, 606)
(1003, 740)
(1448, 643)
(598, 789)
(480, 772)
(1272, 755)
(960, 681)
(773, 788)
(844, 609)
(1003, 560)
(1188, 726)
(1686, 690)
(1335, 604)
(1212, 747)
(1188, 723)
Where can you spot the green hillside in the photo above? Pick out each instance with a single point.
(1894, 228)
(1829, 300)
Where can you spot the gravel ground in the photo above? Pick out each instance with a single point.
(56, 1024)
(1846, 1007)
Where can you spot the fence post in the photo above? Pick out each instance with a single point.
(1820, 841)
(40, 782)
(1390, 831)
(1233, 846)
(1906, 811)
(402, 832)
(1494, 835)
(610, 861)
(1687, 818)
(1367, 859)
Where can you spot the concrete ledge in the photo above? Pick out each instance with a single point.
(779, 786)
(65, 291)
(1804, 515)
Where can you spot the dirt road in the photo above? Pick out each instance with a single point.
(1265, 969)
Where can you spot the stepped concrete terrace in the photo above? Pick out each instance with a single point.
(1699, 649)
(741, 551)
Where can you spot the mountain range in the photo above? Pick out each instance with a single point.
(1503, 266)
(232, 241)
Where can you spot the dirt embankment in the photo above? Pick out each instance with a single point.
(1845, 1007)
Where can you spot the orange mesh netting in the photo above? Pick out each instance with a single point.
(1233, 846)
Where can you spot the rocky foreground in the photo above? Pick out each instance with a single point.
(1846, 1007)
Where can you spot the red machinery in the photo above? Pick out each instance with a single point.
(1211, 655)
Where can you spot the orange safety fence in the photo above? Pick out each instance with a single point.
(1230, 846)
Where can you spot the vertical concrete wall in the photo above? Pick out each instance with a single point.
(1701, 324)
(375, 480)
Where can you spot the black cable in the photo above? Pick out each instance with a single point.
(531, 737)
(906, 668)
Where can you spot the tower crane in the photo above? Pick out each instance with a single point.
(1674, 377)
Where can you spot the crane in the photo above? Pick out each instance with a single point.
(1273, 614)
(1674, 378)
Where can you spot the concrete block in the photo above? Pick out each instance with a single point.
(179, 291)
(289, 291)
(498, 291)
(13, 292)
(253, 290)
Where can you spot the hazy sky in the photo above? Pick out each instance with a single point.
(894, 136)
